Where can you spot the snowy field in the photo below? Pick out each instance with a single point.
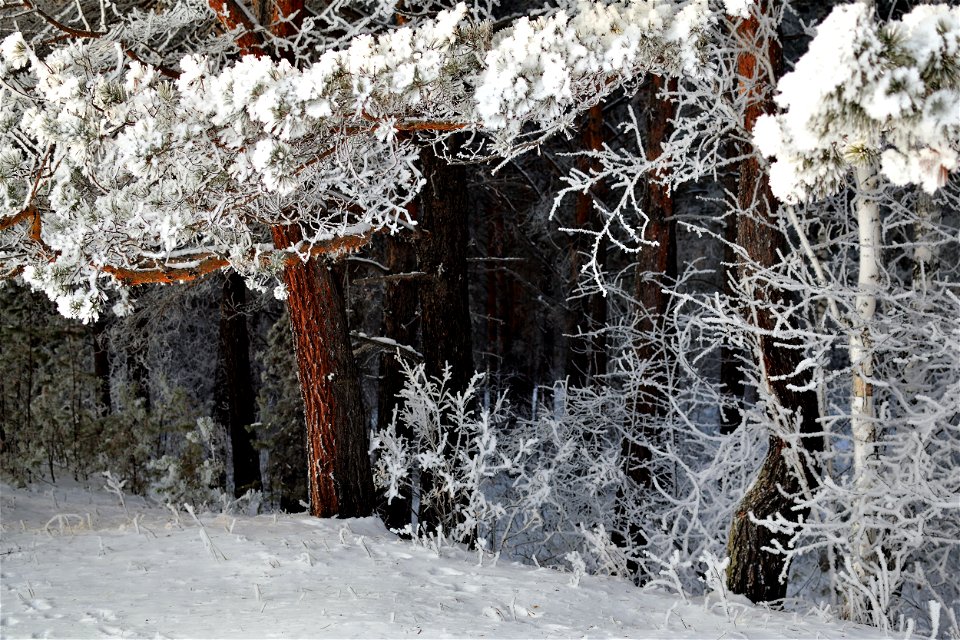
(77, 564)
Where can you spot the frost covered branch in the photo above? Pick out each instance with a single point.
(145, 166)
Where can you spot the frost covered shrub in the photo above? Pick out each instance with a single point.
(194, 474)
(552, 489)
(450, 456)
(881, 551)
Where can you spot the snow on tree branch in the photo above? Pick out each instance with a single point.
(862, 90)
(130, 170)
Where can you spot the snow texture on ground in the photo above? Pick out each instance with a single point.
(76, 564)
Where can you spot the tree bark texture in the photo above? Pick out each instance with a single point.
(339, 475)
(338, 464)
(445, 326)
(656, 266)
(234, 397)
(400, 325)
(754, 572)
(587, 353)
(441, 249)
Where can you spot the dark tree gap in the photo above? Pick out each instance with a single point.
(731, 358)
(441, 250)
(101, 367)
(234, 398)
(400, 324)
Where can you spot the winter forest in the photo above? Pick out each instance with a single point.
(662, 290)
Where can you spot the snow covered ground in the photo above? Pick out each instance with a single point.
(76, 564)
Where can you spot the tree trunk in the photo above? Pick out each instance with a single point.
(754, 572)
(400, 325)
(656, 267)
(441, 249)
(926, 254)
(338, 473)
(863, 417)
(139, 392)
(862, 412)
(338, 463)
(101, 368)
(234, 406)
(445, 327)
(587, 353)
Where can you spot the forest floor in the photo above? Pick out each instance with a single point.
(75, 563)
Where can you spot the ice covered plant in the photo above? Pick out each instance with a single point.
(116, 173)
(115, 486)
(194, 474)
(882, 99)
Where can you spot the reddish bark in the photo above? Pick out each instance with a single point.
(339, 473)
(232, 16)
(656, 265)
(753, 571)
(208, 263)
(588, 354)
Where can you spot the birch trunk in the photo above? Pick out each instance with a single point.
(862, 411)
(863, 419)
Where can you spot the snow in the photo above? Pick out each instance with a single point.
(738, 8)
(77, 564)
(865, 89)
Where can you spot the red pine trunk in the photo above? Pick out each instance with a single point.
(587, 355)
(753, 571)
(339, 475)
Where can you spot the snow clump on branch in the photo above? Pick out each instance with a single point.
(863, 90)
(125, 175)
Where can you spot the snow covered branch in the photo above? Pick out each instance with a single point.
(123, 163)
(864, 90)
